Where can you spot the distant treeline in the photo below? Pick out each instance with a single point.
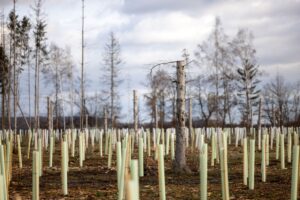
(198, 123)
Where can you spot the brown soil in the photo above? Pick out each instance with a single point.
(96, 181)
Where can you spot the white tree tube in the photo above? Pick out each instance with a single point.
(295, 172)
(252, 164)
(245, 161)
(277, 144)
(263, 158)
(289, 148)
(3, 172)
(161, 173)
(141, 157)
(282, 156)
(35, 176)
(203, 172)
(19, 151)
(51, 151)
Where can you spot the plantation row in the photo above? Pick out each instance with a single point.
(159, 144)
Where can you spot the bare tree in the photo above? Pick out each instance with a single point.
(57, 70)
(295, 107)
(268, 106)
(135, 110)
(281, 93)
(111, 76)
(161, 85)
(70, 77)
(179, 164)
(216, 56)
(205, 98)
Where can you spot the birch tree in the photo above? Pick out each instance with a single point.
(215, 57)
(281, 92)
(57, 72)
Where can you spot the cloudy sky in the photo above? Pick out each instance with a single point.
(157, 30)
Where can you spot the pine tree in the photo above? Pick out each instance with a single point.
(40, 54)
(248, 73)
(4, 66)
(111, 77)
(248, 92)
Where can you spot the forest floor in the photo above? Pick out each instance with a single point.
(95, 181)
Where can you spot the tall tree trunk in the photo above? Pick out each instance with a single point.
(112, 89)
(14, 68)
(38, 96)
(163, 111)
(57, 115)
(96, 112)
(135, 110)
(259, 114)
(36, 126)
(105, 121)
(248, 105)
(72, 98)
(3, 99)
(82, 72)
(155, 115)
(4, 78)
(173, 112)
(190, 118)
(180, 158)
(49, 114)
(86, 121)
(29, 94)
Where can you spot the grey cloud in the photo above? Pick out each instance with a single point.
(142, 7)
(275, 24)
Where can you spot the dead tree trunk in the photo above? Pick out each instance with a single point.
(259, 133)
(190, 116)
(3, 104)
(72, 98)
(4, 78)
(86, 121)
(162, 112)
(14, 68)
(29, 94)
(82, 71)
(180, 158)
(155, 115)
(51, 115)
(173, 112)
(259, 114)
(135, 111)
(96, 120)
(105, 122)
(96, 111)
(48, 113)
